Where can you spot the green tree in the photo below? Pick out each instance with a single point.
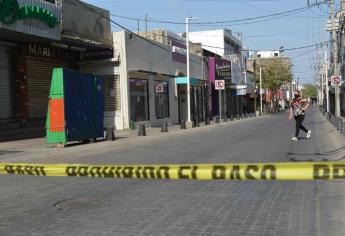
(275, 73)
(309, 91)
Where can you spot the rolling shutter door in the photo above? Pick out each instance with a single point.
(39, 74)
(6, 99)
(110, 72)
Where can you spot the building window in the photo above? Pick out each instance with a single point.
(161, 99)
(139, 99)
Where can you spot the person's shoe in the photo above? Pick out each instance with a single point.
(294, 139)
(308, 134)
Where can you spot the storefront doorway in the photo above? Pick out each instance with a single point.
(139, 100)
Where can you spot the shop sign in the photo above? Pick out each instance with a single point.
(241, 92)
(223, 70)
(178, 52)
(33, 17)
(45, 51)
(10, 12)
(219, 69)
(98, 54)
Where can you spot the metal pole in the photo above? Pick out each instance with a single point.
(220, 105)
(322, 89)
(145, 25)
(260, 92)
(188, 70)
(335, 58)
(327, 89)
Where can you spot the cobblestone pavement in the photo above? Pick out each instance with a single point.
(38, 206)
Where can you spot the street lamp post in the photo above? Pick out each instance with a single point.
(261, 91)
(188, 70)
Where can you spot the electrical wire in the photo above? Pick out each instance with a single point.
(283, 13)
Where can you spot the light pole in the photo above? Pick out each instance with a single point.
(261, 91)
(335, 58)
(188, 69)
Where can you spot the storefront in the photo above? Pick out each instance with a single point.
(7, 110)
(139, 99)
(38, 63)
(220, 69)
(198, 98)
(42, 23)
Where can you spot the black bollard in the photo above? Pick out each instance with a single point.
(110, 133)
(142, 130)
(183, 124)
(164, 127)
(197, 123)
(343, 129)
(207, 120)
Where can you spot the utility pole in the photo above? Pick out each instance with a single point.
(261, 91)
(145, 25)
(188, 72)
(335, 57)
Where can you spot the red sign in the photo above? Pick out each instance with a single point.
(219, 84)
(335, 80)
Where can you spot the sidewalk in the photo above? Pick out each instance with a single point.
(37, 147)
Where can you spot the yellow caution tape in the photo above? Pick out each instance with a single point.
(232, 171)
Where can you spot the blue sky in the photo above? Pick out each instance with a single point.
(295, 30)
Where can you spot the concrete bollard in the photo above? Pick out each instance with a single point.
(238, 116)
(340, 124)
(164, 127)
(217, 120)
(231, 117)
(110, 134)
(225, 119)
(142, 130)
(183, 124)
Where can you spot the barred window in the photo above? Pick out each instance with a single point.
(112, 93)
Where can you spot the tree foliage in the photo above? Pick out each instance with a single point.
(275, 72)
(309, 91)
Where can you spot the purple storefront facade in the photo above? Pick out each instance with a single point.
(219, 69)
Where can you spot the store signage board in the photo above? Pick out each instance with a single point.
(32, 17)
(241, 92)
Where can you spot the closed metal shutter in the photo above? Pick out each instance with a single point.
(112, 93)
(6, 95)
(39, 74)
(110, 72)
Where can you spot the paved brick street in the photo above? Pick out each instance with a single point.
(37, 206)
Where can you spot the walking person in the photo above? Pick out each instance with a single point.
(297, 110)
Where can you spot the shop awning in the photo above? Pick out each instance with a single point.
(193, 81)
